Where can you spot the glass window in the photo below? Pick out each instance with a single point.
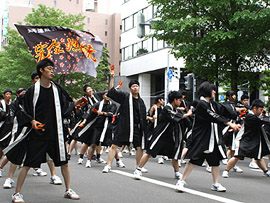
(120, 27)
(148, 13)
(106, 33)
(157, 44)
(77, 1)
(54, 2)
(106, 21)
(88, 20)
(128, 53)
(147, 45)
(137, 48)
(105, 45)
(135, 19)
(128, 23)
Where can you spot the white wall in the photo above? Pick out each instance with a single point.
(149, 62)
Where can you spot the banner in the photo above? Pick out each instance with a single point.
(71, 50)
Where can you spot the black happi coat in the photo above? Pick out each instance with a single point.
(122, 129)
(90, 102)
(168, 131)
(83, 113)
(5, 123)
(94, 120)
(16, 151)
(207, 130)
(254, 142)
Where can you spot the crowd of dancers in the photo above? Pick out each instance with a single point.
(43, 124)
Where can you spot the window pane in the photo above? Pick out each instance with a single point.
(137, 48)
(128, 23)
(157, 44)
(147, 45)
(148, 13)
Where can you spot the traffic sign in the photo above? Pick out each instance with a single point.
(170, 74)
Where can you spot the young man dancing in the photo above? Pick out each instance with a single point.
(47, 103)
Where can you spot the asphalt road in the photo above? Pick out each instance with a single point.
(157, 185)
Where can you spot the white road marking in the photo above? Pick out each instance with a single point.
(190, 191)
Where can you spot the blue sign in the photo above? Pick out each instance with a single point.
(222, 97)
(170, 74)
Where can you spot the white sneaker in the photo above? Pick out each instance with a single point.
(180, 185)
(17, 197)
(253, 165)
(237, 169)
(106, 169)
(120, 154)
(204, 164)
(80, 161)
(101, 161)
(160, 160)
(88, 164)
(1, 171)
(120, 164)
(8, 183)
(70, 194)
(144, 170)
(182, 161)
(125, 151)
(178, 175)
(225, 174)
(107, 150)
(224, 161)
(166, 158)
(132, 153)
(218, 187)
(39, 172)
(137, 174)
(267, 174)
(208, 169)
(56, 180)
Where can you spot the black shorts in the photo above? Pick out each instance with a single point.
(213, 159)
(162, 147)
(137, 139)
(228, 139)
(37, 150)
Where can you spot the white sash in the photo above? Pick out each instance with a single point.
(59, 121)
(85, 128)
(131, 118)
(155, 116)
(4, 109)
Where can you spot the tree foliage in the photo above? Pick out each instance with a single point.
(221, 40)
(17, 64)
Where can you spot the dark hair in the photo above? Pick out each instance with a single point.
(85, 87)
(42, 64)
(174, 95)
(258, 103)
(195, 103)
(19, 90)
(230, 93)
(244, 96)
(34, 74)
(205, 89)
(158, 97)
(1, 96)
(7, 90)
(132, 82)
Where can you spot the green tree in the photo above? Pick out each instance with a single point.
(221, 41)
(16, 62)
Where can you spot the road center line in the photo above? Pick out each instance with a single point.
(190, 191)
